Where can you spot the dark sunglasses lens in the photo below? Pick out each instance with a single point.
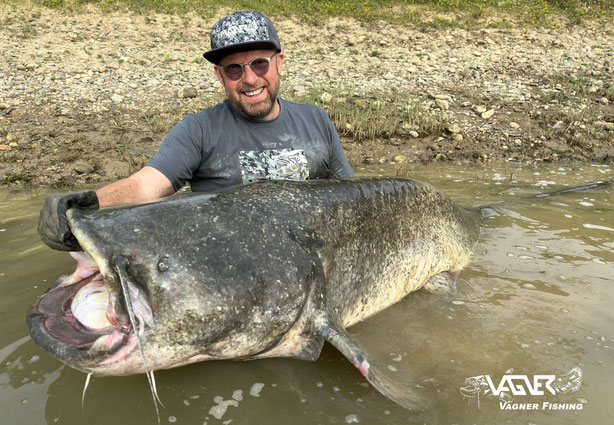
(260, 67)
(233, 71)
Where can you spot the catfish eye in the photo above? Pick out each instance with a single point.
(163, 264)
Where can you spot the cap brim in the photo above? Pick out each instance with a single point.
(215, 55)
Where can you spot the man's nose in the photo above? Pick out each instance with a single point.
(248, 75)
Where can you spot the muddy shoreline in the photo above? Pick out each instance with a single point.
(87, 98)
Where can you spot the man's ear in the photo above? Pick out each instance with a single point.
(218, 72)
(280, 62)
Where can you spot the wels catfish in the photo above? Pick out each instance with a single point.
(269, 269)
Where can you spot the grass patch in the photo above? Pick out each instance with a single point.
(567, 89)
(427, 13)
(363, 118)
(573, 110)
(24, 178)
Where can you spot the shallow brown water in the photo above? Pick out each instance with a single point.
(537, 298)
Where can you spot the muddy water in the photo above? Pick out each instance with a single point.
(537, 299)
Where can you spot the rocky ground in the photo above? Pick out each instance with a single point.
(87, 97)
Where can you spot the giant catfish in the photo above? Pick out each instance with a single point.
(268, 269)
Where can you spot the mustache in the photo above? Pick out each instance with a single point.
(249, 87)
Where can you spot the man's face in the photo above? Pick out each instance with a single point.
(253, 96)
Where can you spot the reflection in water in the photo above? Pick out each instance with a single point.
(536, 299)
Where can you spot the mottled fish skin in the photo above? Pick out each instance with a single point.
(254, 271)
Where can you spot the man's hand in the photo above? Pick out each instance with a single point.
(52, 223)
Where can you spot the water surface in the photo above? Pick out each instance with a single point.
(537, 298)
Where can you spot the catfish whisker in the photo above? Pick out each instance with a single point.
(155, 389)
(87, 382)
(126, 291)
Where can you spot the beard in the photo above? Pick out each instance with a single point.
(255, 110)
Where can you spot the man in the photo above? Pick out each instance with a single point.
(252, 135)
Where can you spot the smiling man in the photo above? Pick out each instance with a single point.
(252, 135)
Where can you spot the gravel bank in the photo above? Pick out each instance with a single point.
(89, 97)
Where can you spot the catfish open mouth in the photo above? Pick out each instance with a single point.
(82, 318)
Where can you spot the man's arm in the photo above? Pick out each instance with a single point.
(146, 185)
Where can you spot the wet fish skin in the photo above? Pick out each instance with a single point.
(272, 268)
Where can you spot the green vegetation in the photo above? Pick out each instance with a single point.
(25, 178)
(425, 13)
(566, 89)
(394, 114)
(572, 109)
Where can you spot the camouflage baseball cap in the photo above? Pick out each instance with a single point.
(239, 32)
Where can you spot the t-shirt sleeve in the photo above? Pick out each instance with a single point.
(338, 163)
(180, 153)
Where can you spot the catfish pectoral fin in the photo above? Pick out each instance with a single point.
(398, 388)
(442, 284)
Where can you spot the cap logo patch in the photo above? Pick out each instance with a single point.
(239, 30)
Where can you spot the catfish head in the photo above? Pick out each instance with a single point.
(199, 286)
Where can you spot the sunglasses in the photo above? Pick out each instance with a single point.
(259, 66)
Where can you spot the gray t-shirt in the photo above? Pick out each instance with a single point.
(220, 147)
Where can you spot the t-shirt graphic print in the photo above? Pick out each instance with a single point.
(274, 164)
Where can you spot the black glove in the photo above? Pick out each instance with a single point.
(53, 225)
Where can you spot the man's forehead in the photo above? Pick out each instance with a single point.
(243, 57)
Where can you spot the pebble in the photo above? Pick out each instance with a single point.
(445, 97)
(326, 97)
(486, 115)
(188, 93)
(454, 128)
(557, 125)
(480, 109)
(117, 98)
(444, 105)
(606, 125)
(514, 125)
(83, 167)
